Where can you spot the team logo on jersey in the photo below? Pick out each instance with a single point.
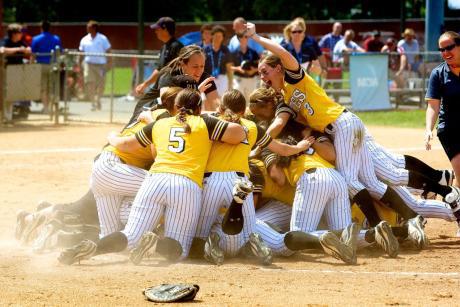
(246, 131)
(297, 99)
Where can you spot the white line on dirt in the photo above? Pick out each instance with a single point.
(399, 274)
(47, 150)
(90, 149)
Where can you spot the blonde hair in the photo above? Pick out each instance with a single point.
(168, 97)
(297, 22)
(233, 102)
(452, 35)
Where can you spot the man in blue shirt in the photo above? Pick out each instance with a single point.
(42, 45)
(239, 26)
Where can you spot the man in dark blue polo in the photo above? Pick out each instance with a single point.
(42, 45)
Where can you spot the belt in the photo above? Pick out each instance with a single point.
(240, 174)
(329, 126)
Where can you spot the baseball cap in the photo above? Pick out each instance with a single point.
(165, 23)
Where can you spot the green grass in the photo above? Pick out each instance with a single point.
(400, 118)
(122, 81)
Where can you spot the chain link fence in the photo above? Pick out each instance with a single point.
(61, 85)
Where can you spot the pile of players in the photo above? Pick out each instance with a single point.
(167, 183)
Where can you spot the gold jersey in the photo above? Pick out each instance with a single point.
(303, 163)
(142, 157)
(182, 153)
(227, 158)
(309, 100)
(270, 190)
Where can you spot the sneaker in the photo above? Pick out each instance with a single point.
(31, 231)
(147, 241)
(416, 232)
(260, 249)
(20, 224)
(453, 198)
(350, 237)
(45, 238)
(241, 190)
(212, 251)
(334, 247)
(385, 238)
(447, 178)
(85, 250)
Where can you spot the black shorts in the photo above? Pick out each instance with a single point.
(450, 143)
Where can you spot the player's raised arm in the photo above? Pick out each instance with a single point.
(289, 62)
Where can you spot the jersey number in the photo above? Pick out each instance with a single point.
(178, 143)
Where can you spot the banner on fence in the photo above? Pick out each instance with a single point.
(369, 82)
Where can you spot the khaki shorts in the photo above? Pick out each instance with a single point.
(94, 73)
(45, 85)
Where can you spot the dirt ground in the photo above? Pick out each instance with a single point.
(40, 161)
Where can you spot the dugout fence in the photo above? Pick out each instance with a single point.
(62, 81)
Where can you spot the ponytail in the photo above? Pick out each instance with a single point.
(181, 117)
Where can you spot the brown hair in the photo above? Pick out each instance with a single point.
(272, 60)
(263, 97)
(218, 28)
(452, 35)
(206, 27)
(188, 102)
(168, 97)
(233, 102)
(184, 56)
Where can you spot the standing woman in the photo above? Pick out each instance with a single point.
(443, 97)
(219, 61)
(303, 48)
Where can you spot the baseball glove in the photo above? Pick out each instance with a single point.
(168, 293)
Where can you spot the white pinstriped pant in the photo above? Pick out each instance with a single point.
(353, 159)
(323, 190)
(112, 181)
(388, 167)
(217, 193)
(276, 213)
(176, 197)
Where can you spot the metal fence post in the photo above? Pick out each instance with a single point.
(65, 94)
(2, 85)
(112, 73)
(55, 78)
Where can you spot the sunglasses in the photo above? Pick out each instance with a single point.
(447, 48)
(296, 32)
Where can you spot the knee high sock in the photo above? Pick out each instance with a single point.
(299, 240)
(113, 243)
(397, 204)
(365, 202)
(420, 181)
(414, 164)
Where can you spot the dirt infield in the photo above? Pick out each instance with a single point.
(40, 161)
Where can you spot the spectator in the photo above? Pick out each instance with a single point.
(304, 48)
(219, 61)
(409, 45)
(246, 61)
(15, 50)
(328, 41)
(239, 26)
(344, 47)
(443, 96)
(206, 35)
(373, 43)
(396, 61)
(94, 67)
(165, 30)
(43, 44)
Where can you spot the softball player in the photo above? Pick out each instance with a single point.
(117, 174)
(173, 187)
(228, 163)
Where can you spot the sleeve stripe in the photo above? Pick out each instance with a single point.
(264, 141)
(269, 160)
(258, 189)
(142, 138)
(294, 74)
(285, 110)
(219, 130)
